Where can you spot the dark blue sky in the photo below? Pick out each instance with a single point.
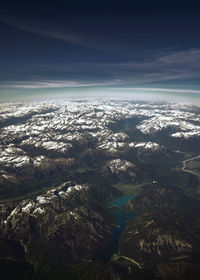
(62, 44)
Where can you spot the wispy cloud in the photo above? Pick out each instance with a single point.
(67, 32)
(189, 57)
(171, 66)
(42, 28)
(146, 89)
(55, 84)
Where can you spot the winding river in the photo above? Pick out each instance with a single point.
(185, 169)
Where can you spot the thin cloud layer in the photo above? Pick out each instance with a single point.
(168, 67)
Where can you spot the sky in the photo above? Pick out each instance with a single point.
(58, 46)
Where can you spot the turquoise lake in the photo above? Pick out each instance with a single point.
(121, 201)
(121, 218)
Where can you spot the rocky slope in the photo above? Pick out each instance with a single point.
(118, 170)
(165, 236)
(64, 224)
(167, 242)
(158, 197)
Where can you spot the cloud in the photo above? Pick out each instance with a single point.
(55, 84)
(66, 29)
(161, 90)
(191, 56)
(42, 28)
(166, 66)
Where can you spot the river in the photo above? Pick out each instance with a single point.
(184, 167)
